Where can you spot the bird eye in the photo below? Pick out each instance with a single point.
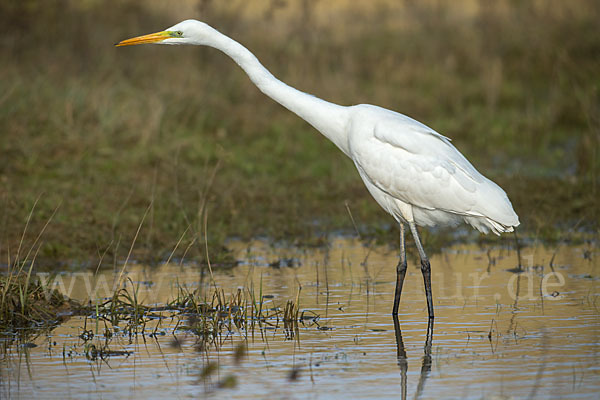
(179, 33)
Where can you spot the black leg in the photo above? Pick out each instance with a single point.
(400, 272)
(425, 269)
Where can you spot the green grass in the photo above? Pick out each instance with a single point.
(180, 133)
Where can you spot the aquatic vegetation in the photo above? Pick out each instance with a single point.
(26, 304)
(210, 315)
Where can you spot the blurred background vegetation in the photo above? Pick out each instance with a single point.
(178, 138)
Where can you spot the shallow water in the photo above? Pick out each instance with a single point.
(497, 334)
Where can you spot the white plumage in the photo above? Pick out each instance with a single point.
(417, 175)
(412, 171)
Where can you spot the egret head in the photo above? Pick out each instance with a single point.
(186, 32)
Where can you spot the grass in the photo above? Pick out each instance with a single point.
(209, 317)
(25, 304)
(179, 139)
(29, 304)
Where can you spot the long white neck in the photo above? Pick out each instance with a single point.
(328, 118)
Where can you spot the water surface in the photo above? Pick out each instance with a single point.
(497, 333)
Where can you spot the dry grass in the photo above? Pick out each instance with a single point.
(180, 133)
(25, 304)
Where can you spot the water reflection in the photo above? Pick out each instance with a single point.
(498, 334)
(403, 359)
(401, 352)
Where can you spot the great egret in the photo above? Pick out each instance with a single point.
(412, 171)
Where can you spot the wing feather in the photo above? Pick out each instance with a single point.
(417, 165)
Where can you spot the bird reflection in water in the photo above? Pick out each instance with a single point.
(403, 359)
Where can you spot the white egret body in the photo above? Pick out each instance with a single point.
(412, 171)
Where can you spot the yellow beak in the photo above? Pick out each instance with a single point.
(151, 38)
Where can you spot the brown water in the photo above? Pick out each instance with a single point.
(544, 340)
